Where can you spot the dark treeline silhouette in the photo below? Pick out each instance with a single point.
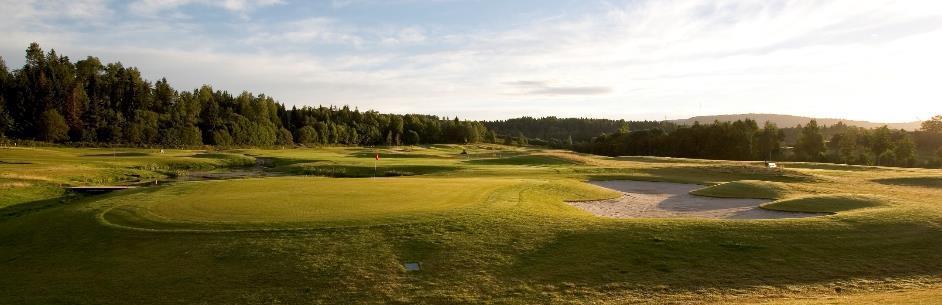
(739, 140)
(745, 140)
(52, 99)
(564, 132)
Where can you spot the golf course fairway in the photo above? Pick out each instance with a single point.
(305, 202)
(451, 224)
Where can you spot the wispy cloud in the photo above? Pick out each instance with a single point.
(547, 88)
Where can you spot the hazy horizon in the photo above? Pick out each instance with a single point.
(855, 60)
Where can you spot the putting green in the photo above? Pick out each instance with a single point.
(270, 202)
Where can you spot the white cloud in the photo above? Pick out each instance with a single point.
(406, 35)
(641, 60)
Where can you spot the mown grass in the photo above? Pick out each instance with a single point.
(311, 202)
(484, 233)
(826, 203)
(745, 189)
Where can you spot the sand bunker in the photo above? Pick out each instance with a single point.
(642, 199)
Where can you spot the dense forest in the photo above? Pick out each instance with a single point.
(745, 140)
(52, 99)
(732, 140)
(563, 132)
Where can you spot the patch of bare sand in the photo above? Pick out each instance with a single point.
(643, 199)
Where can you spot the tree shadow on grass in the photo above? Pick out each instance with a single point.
(831, 166)
(359, 171)
(404, 155)
(708, 174)
(15, 162)
(531, 160)
(119, 154)
(925, 181)
(20, 209)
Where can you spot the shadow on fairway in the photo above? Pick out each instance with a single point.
(531, 160)
(21, 209)
(926, 181)
(837, 167)
(398, 155)
(119, 154)
(359, 171)
(706, 174)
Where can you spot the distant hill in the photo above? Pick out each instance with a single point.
(783, 120)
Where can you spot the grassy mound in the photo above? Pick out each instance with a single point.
(926, 181)
(532, 160)
(826, 203)
(744, 189)
(292, 200)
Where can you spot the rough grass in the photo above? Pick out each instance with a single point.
(15, 191)
(826, 203)
(228, 159)
(745, 189)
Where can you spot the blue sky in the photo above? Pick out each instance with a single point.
(873, 60)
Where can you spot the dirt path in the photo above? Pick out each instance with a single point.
(642, 199)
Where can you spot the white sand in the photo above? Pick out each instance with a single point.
(642, 199)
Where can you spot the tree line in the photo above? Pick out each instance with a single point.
(52, 99)
(745, 140)
(564, 132)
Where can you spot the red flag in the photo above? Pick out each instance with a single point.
(377, 156)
